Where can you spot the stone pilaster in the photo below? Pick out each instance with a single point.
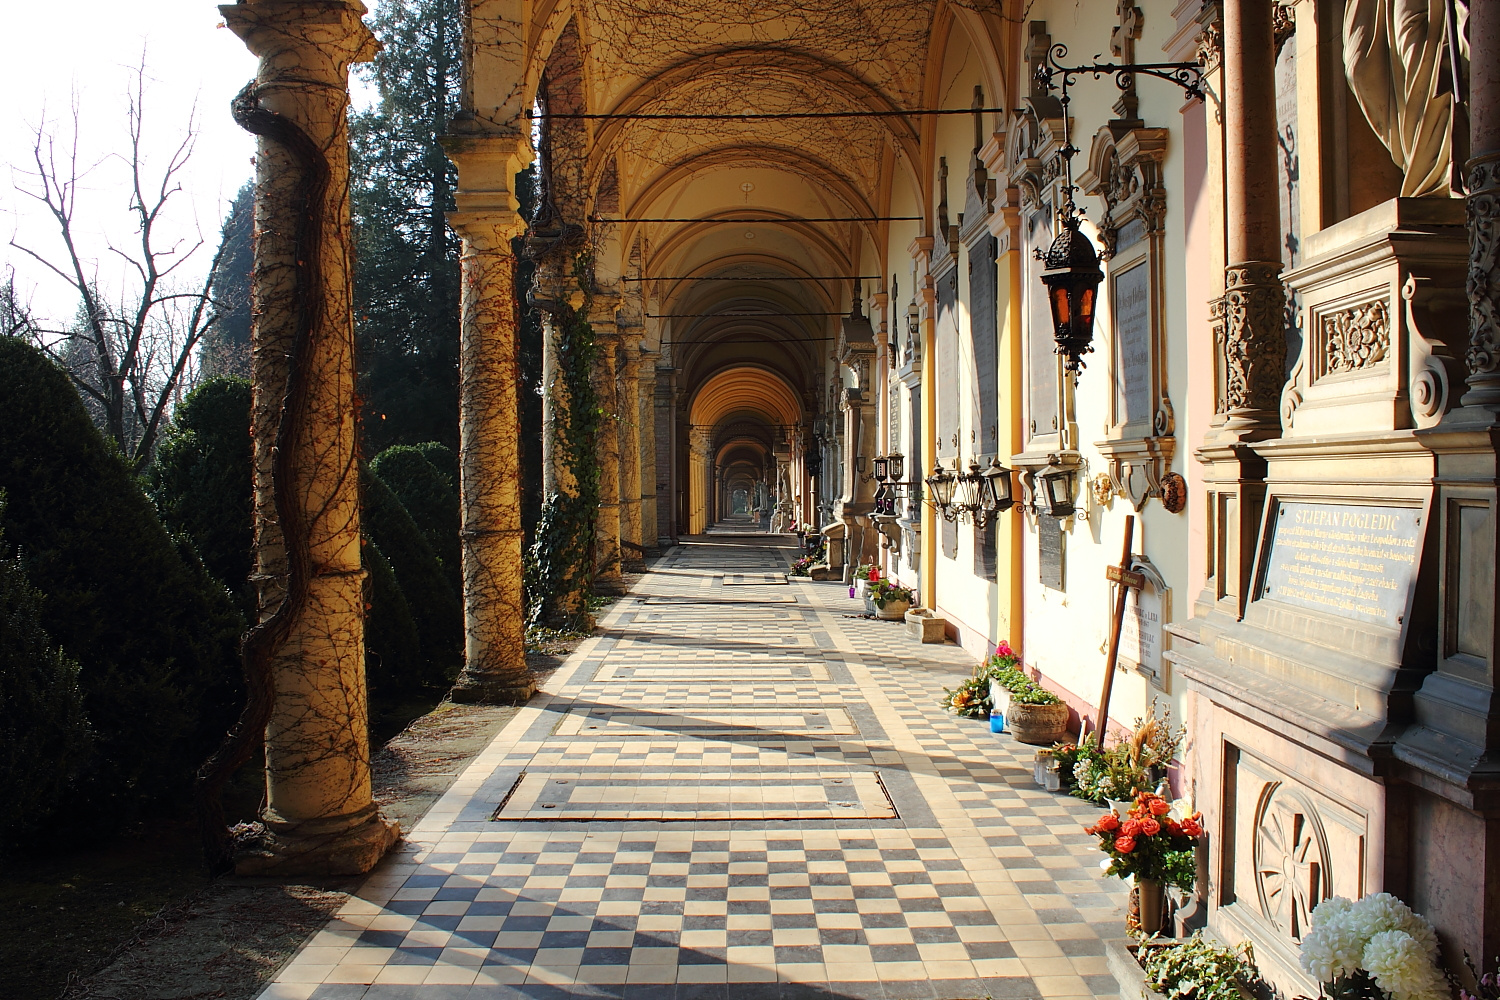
(632, 549)
(648, 392)
(309, 636)
(606, 388)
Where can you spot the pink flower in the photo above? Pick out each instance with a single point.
(1003, 649)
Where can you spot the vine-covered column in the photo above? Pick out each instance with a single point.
(632, 549)
(606, 382)
(489, 430)
(305, 655)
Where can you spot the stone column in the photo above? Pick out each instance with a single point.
(673, 472)
(1483, 201)
(632, 549)
(606, 382)
(309, 636)
(556, 292)
(489, 419)
(1254, 299)
(648, 392)
(1250, 323)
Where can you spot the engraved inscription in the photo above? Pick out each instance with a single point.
(1352, 560)
(1050, 544)
(1141, 631)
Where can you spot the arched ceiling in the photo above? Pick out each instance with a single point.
(742, 239)
(748, 391)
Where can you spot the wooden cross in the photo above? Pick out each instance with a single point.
(1126, 579)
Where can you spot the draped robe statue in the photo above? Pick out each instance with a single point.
(1400, 68)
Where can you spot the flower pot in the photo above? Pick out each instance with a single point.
(1151, 895)
(870, 607)
(1120, 807)
(999, 696)
(1039, 725)
(891, 610)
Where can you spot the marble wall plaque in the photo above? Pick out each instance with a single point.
(947, 362)
(1132, 316)
(1041, 347)
(1142, 632)
(1050, 544)
(985, 389)
(1352, 560)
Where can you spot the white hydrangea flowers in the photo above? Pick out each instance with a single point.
(1379, 935)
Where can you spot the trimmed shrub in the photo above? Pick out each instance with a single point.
(44, 737)
(154, 636)
(201, 481)
(393, 651)
(434, 606)
(443, 458)
(430, 497)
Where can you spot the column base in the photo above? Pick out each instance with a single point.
(345, 845)
(476, 689)
(610, 586)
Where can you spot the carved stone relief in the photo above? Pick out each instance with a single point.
(1292, 863)
(1353, 339)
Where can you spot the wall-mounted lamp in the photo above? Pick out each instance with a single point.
(1057, 491)
(942, 483)
(882, 468)
(998, 487)
(1072, 278)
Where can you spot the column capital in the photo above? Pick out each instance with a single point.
(487, 232)
(487, 161)
(303, 41)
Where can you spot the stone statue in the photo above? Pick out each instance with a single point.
(1400, 68)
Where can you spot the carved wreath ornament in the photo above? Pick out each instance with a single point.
(1356, 338)
(1292, 874)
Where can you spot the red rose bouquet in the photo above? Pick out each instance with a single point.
(1149, 842)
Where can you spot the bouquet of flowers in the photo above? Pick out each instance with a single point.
(1150, 842)
(971, 699)
(1374, 948)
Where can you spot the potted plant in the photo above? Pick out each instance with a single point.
(1138, 764)
(1374, 948)
(1152, 847)
(1198, 969)
(1036, 715)
(891, 600)
(971, 699)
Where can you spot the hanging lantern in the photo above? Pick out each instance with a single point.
(973, 486)
(941, 482)
(882, 467)
(1057, 491)
(998, 486)
(896, 466)
(1072, 278)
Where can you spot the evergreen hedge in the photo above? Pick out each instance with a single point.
(201, 481)
(430, 497)
(393, 650)
(434, 606)
(44, 737)
(155, 637)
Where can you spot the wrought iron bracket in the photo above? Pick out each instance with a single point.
(1187, 75)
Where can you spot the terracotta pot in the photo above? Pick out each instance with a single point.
(1039, 725)
(892, 610)
(1150, 892)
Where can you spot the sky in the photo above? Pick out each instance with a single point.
(87, 49)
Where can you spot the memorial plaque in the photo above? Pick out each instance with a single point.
(1352, 560)
(1041, 346)
(1132, 316)
(1050, 541)
(1141, 633)
(947, 362)
(985, 398)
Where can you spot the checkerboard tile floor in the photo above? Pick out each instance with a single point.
(725, 798)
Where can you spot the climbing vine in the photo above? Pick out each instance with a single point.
(559, 566)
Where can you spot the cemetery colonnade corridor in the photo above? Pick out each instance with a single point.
(738, 788)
